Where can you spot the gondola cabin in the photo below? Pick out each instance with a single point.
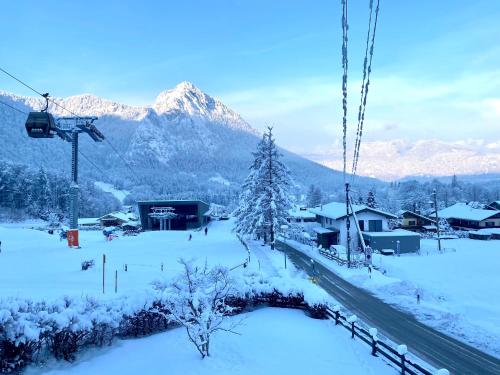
(40, 125)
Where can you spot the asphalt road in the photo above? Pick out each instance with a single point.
(437, 348)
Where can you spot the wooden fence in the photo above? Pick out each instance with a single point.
(406, 365)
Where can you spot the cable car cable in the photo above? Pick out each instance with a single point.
(74, 114)
(14, 108)
(79, 151)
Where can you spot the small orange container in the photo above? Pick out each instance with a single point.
(73, 238)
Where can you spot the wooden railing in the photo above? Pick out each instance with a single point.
(397, 358)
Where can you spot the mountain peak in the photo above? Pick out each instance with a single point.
(186, 86)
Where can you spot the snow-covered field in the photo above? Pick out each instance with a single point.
(271, 341)
(458, 288)
(38, 265)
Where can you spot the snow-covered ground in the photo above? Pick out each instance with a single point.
(38, 265)
(108, 188)
(458, 288)
(271, 341)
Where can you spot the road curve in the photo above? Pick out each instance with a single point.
(439, 349)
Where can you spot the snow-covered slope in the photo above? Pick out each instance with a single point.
(390, 160)
(179, 143)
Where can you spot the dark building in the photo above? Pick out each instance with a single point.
(173, 215)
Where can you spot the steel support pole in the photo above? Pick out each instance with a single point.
(73, 213)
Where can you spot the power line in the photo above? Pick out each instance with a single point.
(79, 151)
(355, 165)
(14, 108)
(92, 163)
(74, 114)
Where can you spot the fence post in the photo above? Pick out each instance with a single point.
(116, 281)
(402, 350)
(352, 319)
(373, 334)
(284, 254)
(103, 270)
(161, 266)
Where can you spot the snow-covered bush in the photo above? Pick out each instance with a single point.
(29, 331)
(196, 301)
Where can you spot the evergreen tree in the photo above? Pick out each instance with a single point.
(265, 197)
(370, 200)
(314, 196)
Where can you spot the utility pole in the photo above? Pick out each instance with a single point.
(434, 196)
(348, 225)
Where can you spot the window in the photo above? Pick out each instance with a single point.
(489, 223)
(375, 225)
(362, 225)
(412, 222)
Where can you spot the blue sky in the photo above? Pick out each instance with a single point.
(436, 71)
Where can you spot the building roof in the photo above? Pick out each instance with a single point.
(321, 230)
(487, 231)
(300, 212)
(392, 233)
(465, 212)
(337, 210)
(411, 213)
(88, 221)
(125, 217)
(173, 201)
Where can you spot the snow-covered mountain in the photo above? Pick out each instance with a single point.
(185, 141)
(395, 159)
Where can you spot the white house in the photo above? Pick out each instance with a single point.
(299, 214)
(373, 223)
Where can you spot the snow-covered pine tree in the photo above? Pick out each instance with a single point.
(265, 199)
(310, 195)
(370, 200)
(314, 196)
(249, 190)
(317, 197)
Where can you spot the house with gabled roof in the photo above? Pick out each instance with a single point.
(464, 216)
(373, 225)
(416, 222)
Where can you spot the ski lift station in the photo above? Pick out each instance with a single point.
(173, 214)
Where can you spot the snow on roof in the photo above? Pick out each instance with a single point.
(121, 216)
(466, 212)
(429, 227)
(402, 212)
(337, 210)
(393, 233)
(487, 231)
(300, 212)
(88, 221)
(321, 230)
